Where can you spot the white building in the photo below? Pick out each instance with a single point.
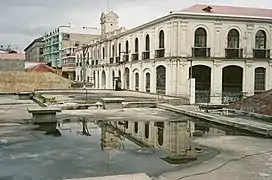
(228, 49)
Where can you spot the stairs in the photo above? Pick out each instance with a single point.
(16, 81)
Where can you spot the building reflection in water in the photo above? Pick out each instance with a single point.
(172, 136)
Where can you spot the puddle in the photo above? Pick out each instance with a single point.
(86, 149)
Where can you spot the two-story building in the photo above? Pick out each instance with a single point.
(207, 53)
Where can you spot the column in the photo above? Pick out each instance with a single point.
(153, 78)
(100, 79)
(183, 44)
(175, 39)
(183, 77)
(216, 82)
(173, 80)
(152, 44)
(169, 34)
(141, 45)
(141, 77)
(248, 78)
(217, 39)
(249, 46)
(269, 74)
(169, 77)
(131, 80)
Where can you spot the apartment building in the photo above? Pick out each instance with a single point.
(34, 51)
(60, 44)
(206, 53)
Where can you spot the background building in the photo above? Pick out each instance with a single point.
(12, 61)
(209, 54)
(34, 51)
(59, 46)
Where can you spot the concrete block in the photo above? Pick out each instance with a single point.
(44, 115)
(112, 103)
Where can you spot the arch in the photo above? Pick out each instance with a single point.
(200, 37)
(161, 79)
(137, 81)
(127, 75)
(136, 127)
(233, 38)
(103, 80)
(113, 51)
(136, 45)
(135, 70)
(232, 83)
(160, 127)
(127, 47)
(147, 82)
(202, 76)
(147, 43)
(147, 130)
(259, 80)
(98, 79)
(103, 52)
(260, 39)
(161, 39)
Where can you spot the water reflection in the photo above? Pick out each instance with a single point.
(48, 129)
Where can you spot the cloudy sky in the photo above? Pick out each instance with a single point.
(23, 20)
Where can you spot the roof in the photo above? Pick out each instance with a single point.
(229, 10)
(40, 68)
(12, 56)
(34, 41)
(260, 103)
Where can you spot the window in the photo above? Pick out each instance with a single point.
(113, 49)
(200, 38)
(233, 39)
(161, 39)
(260, 40)
(136, 127)
(136, 45)
(147, 43)
(259, 79)
(127, 47)
(103, 52)
(120, 48)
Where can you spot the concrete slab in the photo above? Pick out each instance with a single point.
(112, 103)
(140, 176)
(44, 115)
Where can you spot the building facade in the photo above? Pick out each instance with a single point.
(59, 47)
(34, 51)
(209, 54)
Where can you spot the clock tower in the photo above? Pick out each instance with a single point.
(109, 22)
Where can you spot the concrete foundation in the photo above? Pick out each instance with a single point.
(112, 103)
(44, 115)
(24, 95)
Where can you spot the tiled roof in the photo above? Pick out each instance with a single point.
(11, 56)
(40, 68)
(260, 103)
(230, 10)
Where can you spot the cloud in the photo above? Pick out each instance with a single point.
(24, 20)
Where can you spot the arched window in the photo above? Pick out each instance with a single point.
(233, 39)
(147, 82)
(120, 48)
(200, 37)
(127, 47)
(137, 81)
(113, 49)
(147, 43)
(260, 40)
(259, 84)
(161, 39)
(103, 52)
(136, 45)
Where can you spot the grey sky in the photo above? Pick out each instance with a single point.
(23, 20)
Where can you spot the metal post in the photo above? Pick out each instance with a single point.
(85, 51)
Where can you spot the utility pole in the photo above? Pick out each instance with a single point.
(85, 49)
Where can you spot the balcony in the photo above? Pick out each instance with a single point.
(135, 57)
(146, 55)
(125, 58)
(261, 53)
(117, 59)
(233, 53)
(159, 53)
(201, 52)
(111, 60)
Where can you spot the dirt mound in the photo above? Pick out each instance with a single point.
(259, 103)
(29, 81)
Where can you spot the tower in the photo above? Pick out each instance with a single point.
(109, 22)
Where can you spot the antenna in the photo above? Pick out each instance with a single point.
(108, 3)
